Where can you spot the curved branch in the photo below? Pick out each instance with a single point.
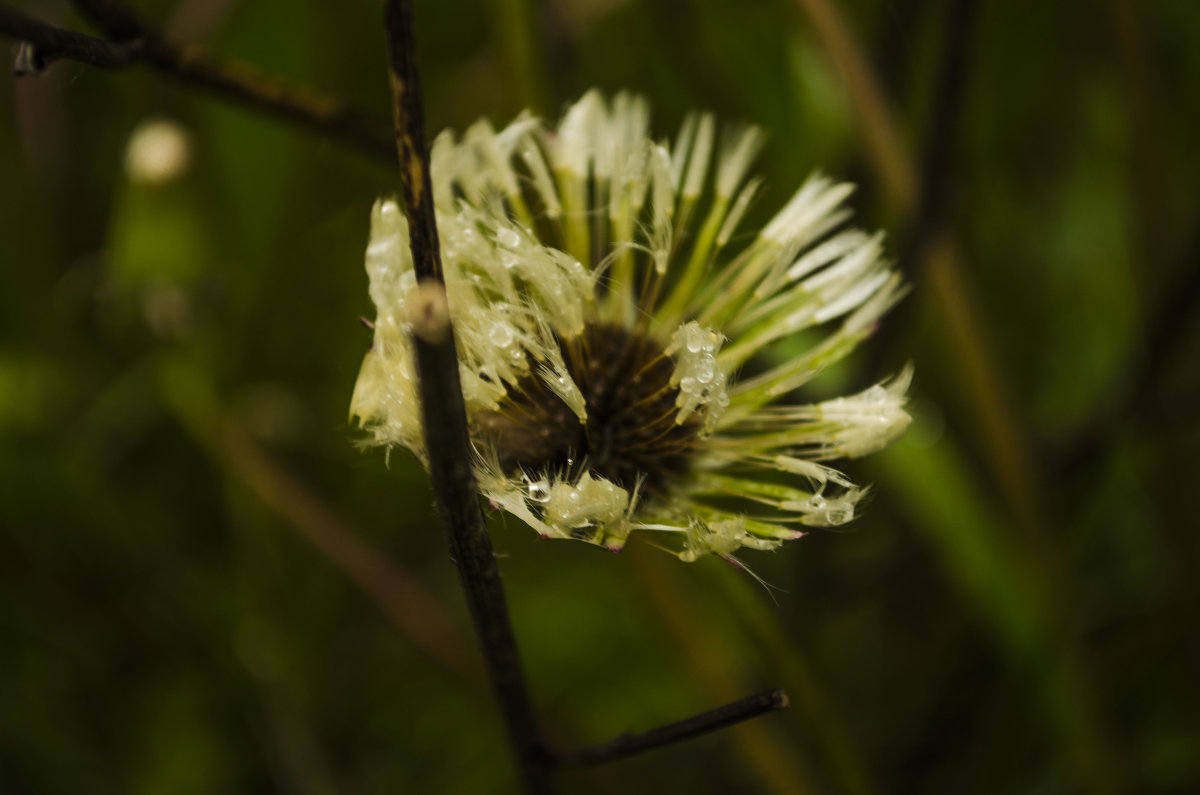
(50, 43)
(133, 45)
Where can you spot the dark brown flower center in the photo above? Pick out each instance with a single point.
(630, 432)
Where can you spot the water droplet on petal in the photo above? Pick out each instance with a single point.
(501, 335)
(508, 238)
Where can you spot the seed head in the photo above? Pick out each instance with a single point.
(615, 347)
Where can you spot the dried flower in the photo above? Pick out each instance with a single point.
(615, 356)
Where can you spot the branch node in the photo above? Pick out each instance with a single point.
(28, 61)
(429, 313)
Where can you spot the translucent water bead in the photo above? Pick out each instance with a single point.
(589, 502)
(539, 491)
(830, 511)
(508, 237)
(699, 377)
(501, 334)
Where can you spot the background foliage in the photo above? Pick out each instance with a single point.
(205, 587)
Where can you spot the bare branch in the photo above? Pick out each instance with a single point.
(628, 745)
(48, 43)
(133, 45)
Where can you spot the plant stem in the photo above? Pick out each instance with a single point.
(444, 416)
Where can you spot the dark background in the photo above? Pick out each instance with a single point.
(206, 587)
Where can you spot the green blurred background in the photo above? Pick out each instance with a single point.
(206, 587)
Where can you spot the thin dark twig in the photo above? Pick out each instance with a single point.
(1173, 276)
(51, 43)
(1133, 402)
(1017, 466)
(247, 86)
(134, 44)
(444, 415)
(628, 745)
(929, 215)
(937, 155)
(116, 19)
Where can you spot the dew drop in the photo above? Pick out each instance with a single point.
(539, 491)
(508, 238)
(876, 394)
(501, 334)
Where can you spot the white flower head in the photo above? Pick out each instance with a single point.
(614, 344)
